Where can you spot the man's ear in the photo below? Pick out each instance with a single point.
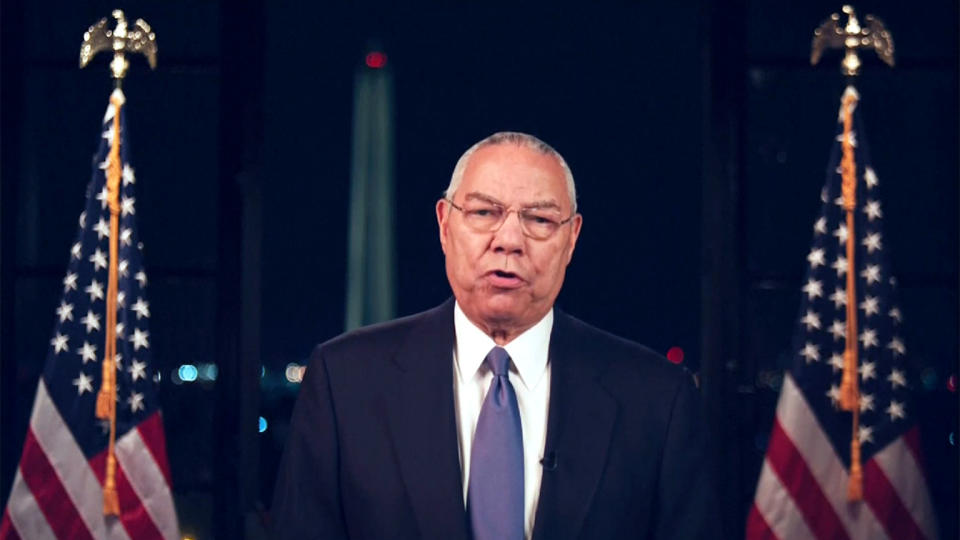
(443, 213)
(574, 235)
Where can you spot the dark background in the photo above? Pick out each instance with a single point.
(698, 134)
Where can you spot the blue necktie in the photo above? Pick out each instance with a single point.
(495, 494)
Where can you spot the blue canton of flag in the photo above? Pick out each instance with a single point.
(57, 492)
(802, 491)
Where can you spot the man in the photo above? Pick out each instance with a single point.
(494, 415)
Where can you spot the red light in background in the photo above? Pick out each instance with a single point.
(675, 355)
(952, 383)
(376, 60)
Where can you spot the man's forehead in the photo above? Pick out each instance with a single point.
(510, 170)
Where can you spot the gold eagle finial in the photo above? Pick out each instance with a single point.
(830, 35)
(137, 39)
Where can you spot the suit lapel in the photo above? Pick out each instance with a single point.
(423, 426)
(579, 427)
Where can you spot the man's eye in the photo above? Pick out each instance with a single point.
(540, 219)
(484, 212)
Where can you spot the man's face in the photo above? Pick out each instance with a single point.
(503, 279)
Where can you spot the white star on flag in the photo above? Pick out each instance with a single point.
(811, 320)
(142, 308)
(896, 345)
(83, 219)
(834, 394)
(870, 305)
(896, 378)
(126, 205)
(88, 352)
(870, 177)
(123, 268)
(872, 242)
(810, 352)
(103, 196)
(866, 402)
(895, 410)
(823, 194)
(83, 383)
(872, 210)
(135, 401)
(838, 329)
(813, 288)
(99, 259)
(840, 265)
(138, 370)
(141, 277)
(868, 338)
(816, 258)
(59, 342)
(871, 273)
(91, 321)
(75, 250)
(820, 227)
(836, 362)
(109, 134)
(853, 138)
(841, 234)
(120, 329)
(95, 290)
(865, 434)
(838, 201)
(121, 298)
(65, 311)
(102, 229)
(895, 314)
(69, 282)
(128, 176)
(139, 339)
(126, 236)
(839, 297)
(868, 370)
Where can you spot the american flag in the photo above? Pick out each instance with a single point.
(57, 491)
(802, 491)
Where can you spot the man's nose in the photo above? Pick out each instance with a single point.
(509, 238)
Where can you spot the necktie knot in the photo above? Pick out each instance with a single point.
(498, 360)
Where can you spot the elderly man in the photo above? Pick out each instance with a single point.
(495, 415)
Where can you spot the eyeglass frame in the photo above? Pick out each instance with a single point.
(506, 214)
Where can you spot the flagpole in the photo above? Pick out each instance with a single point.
(120, 40)
(851, 37)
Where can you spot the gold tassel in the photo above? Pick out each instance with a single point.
(111, 502)
(849, 387)
(107, 396)
(849, 393)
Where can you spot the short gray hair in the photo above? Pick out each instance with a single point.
(519, 139)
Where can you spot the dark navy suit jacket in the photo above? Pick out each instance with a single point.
(373, 451)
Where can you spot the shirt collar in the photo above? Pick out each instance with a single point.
(529, 350)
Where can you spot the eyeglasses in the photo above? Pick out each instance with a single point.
(485, 217)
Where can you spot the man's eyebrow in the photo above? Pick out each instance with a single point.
(544, 204)
(484, 198)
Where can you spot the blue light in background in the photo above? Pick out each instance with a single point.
(263, 424)
(187, 372)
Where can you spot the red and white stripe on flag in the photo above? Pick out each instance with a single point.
(802, 492)
(57, 491)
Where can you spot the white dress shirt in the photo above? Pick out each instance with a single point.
(530, 377)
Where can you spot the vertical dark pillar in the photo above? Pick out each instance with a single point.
(723, 50)
(11, 96)
(242, 29)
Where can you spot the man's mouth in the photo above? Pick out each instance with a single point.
(502, 279)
